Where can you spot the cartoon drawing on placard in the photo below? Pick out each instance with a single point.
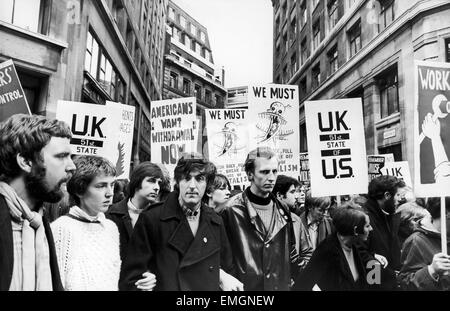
(272, 121)
(431, 128)
(226, 142)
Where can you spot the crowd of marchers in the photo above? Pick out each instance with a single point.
(67, 223)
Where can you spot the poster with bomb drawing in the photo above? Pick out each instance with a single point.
(432, 128)
(273, 115)
(228, 140)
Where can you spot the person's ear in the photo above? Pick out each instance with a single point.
(387, 195)
(23, 163)
(279, 196)
(355, 230)
(250, 176)
(209, 194)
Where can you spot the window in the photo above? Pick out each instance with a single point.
(302, 88)
(198, 91)
(173, 82)
(27, 14)
(284, 11)
(207, 56)
(293, 30)
(304, 13)
(171, 13)
(396, 150)
(182, 21)
(91, 57)
(193, 45)
(186, 86)
(187, 40)
(294, 64)
(202, 53)
(286, 42)
(333, 16)
(354, 36)
(386, 14)
(202, 36)
(304, 52)
(219, 100)
(333, 60)
(193, 30)
(447, 50)
(198, 48)
(316, 35)
(208, 98)
(277, 25)
(389, 93)
(315, 76)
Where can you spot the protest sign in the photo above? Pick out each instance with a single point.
(273, 115)
(228, 140)
(125, 133)
(431, 128)
(336, 147)
(12, 97)
(100, 130)
(174, 130)
(376, 162)
(398, 169)
(304, 168)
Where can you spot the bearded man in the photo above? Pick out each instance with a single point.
(386, 194)
(35, 160)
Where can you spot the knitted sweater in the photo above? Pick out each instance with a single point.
(88, 254)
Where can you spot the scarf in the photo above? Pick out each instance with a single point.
(79, 214)
(36, 272)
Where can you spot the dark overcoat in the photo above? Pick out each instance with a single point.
(162, 243)
(119, 214)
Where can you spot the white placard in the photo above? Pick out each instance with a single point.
(228, 141)
(336, 147)
(174, 130)
(398, 169)
(273, 115)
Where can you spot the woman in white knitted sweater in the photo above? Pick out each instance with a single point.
(87, 244)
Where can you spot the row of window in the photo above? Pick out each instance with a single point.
(190, 43)
(186, 88)
(98, 64)
(181, 20)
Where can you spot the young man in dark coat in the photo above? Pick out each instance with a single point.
(260, 229)
(182, 241)
(424, 266)
(385, 194)
(145, 183)
(35, 159)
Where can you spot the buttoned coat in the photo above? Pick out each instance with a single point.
(162, 243)
(119, 214)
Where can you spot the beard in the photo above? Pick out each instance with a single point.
(389, 206)
(38, 187)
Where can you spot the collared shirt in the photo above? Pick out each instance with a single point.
(312, 230)
(193, 218)
(134, 212)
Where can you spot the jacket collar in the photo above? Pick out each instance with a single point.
(120, 208)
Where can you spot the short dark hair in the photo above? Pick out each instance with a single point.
(88, 167)
(260, 152)
(27, 135)
(193, 162)
(433, 205)
(382, 184)
(283, 184)
(140, 172)
(348, 216)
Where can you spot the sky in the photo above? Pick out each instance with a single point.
(240, 34)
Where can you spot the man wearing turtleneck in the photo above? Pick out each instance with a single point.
(259, 228)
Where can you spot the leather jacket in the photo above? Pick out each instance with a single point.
(262, 262)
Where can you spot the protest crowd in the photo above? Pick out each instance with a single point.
(68, 223)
